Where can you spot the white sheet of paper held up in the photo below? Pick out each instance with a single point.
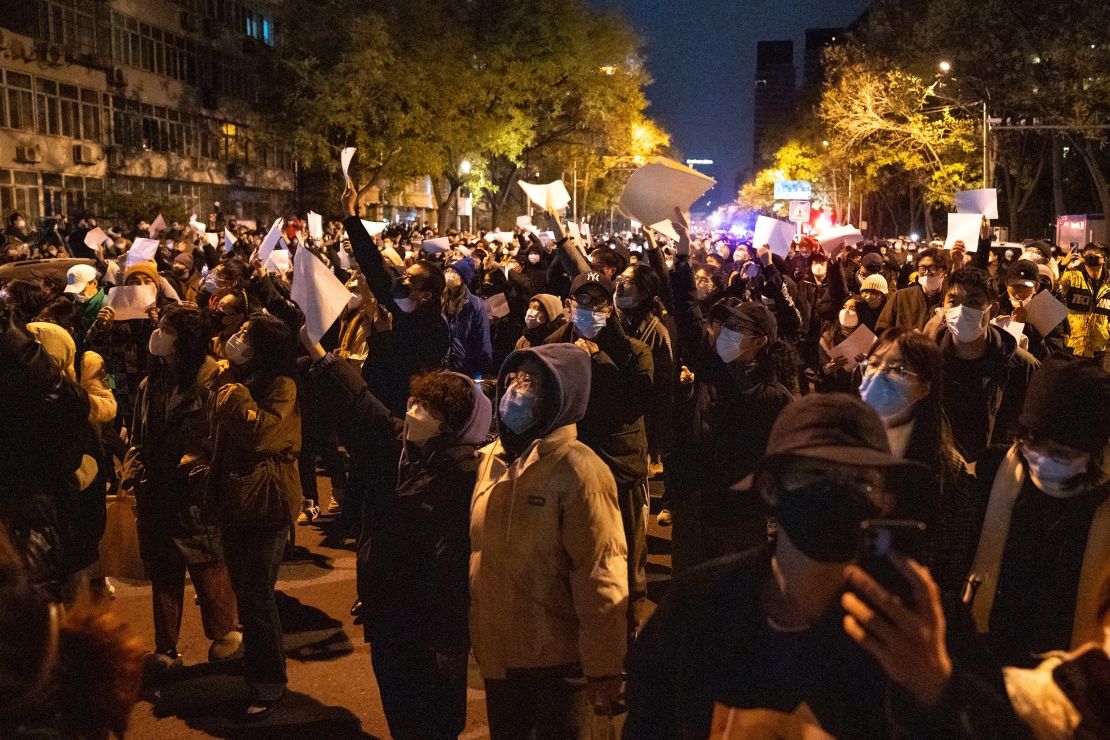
(773, 233)
(345, 160)
(131, 301)
(318, 292)
(656, 189)
(271, 239)
(858, 343)
(983, 202)
(552, 197)
(964, 227)
(1044, 312)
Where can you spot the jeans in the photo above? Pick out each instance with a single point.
(217, 601)
(632, 498)
(553, 703)
(253, 557)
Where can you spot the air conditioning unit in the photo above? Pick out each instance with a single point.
(115, 157)
(188, 21)
(84, 154)
(116, 77)
(28, 154)
(236, 171)
(209, 98)
(17, 49)
(55, 54)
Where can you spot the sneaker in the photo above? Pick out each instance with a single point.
(335, 506)
(260, 708)
(161, 662)
(309, 512)
(228, 647)
(663, 519)
(102, 589)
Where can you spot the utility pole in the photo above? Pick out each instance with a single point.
(986, 137)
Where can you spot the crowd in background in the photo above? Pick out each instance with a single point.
(490, 413)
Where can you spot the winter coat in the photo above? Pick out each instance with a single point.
(621, 392)
(908, 307)
(170, 434)
(659, 416)
(257, 441)
(1088, 303)
(548, 563)
(418, 341)
(470, 351)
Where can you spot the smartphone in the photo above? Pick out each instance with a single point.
(879, 538)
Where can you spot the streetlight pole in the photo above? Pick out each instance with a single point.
(986, 138)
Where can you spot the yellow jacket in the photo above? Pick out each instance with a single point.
(1088, 305)
(548, 563)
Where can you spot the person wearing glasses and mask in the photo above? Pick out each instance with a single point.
(986, 372)
(913, 306)
(417, 338)
(621, 391)
(1044, 549)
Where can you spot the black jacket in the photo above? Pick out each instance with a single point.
(710, 643)
(419, 340)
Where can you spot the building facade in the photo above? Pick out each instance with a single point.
(774, 99)
(103, 98)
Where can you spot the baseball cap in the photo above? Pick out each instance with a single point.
(1023, 272)
(591, 277)
(78, 276)
(872, 259)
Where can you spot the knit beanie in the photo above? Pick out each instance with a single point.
(875, 282)
(143, 268)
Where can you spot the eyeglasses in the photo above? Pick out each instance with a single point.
(589, 303)
(703, 281)
(871, 367)
(930, 270)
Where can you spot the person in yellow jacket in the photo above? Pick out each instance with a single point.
(548, 563)
(1086, 292)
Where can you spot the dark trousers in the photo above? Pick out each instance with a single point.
(553, 704)
(632, 497)
(421, 701)
(217, 600)
(253, 557)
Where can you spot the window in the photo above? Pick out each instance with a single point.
(52, 194)
(71, 110)
(70, 24)
(21, 110)
(46, 97)
(141, 45)
(19, 191)
(90, 115)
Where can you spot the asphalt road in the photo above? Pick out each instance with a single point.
(332, 692)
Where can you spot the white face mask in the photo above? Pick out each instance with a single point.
(532, 318)
(965, 323)
(1053, 474)
(589, 323)
(161, 344)
(420, 425)
(819, 269)
(931, 283)
(534, 258)
(669, 264)
(849, 319)
(237, 349)
(407, 305)
(729, 345)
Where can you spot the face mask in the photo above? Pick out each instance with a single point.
(1009, 254)
(1053, 474)
(849, 319)
(532, 318)
(1092, 260)
(589, 323)
(965, 323)
(210, 285)
(407, 305)
(534, 258)
(887, 394)
(819, 269)
(420, 426)
(627, 302)
(237, 349)
(931, 283)
(669, 264)
(161, 344)
(517, 410)
(80, 298)
(452, 279)
(729, 345)
(702, 293)
(822, 520)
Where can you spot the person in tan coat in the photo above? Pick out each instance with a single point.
(548, 564)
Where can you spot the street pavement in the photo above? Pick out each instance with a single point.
(332, 692)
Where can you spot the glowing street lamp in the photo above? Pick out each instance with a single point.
(464, 167)
(944, 67)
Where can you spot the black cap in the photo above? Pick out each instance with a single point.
(872, 259)
(591, 277)
(1066, 402)
(749, 315)
(1023, 272)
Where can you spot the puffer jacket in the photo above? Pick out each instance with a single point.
(548, 563)
(1088, 303)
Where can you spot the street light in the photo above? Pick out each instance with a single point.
(944, 67)
(464, 166)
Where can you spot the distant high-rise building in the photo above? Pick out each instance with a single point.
(817, 40)
(773, 103)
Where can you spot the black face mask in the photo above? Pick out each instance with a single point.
(400, 289)
(823, 519)
(1092, 260)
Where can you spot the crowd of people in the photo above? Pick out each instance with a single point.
(883, 542)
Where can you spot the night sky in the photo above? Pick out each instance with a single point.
(701, 54)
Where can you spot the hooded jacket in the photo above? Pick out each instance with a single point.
(548, 563)
(535, 336)
(470, 351)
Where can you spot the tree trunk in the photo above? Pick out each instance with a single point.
(1059, 207)
(1098, 177)
(443, 213)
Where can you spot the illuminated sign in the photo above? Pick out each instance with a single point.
(793, 190)
(692, 162)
